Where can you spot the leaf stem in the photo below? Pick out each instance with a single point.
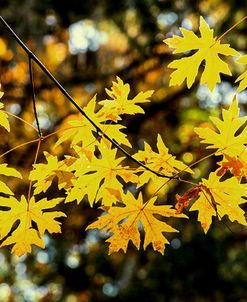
(19, 146)
(35, 160)
(19, 118)
(231, 28)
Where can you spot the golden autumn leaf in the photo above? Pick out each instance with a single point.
(208, 50)
(43, 174)
(236, 165)
(161, 161)
(120, 104)
(98, 178)
(27, 212)
(81, 131)
(243, 77)
(123, 222)
(7, 171)
(226, 139)
(220, 198)
(4, 122)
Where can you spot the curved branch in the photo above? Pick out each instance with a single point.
(32, 56)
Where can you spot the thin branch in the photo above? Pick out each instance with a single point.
(35, 160)
(19, 146)
(33, 94)
(20, 119)
(72, 101)
(231, 28)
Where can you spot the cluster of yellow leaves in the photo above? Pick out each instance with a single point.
(220, 197)
(25, 212)
(95, 172)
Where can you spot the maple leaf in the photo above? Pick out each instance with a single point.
(243, 77)
(7, 171)
(83, 132)
(98, 178)
(236, 165)
(220, 198)
(4, 122)
(161, 162)
(123, 222)
(120, 104)
(226, 140)
(27, 212)
(43, 174)
(208, 48)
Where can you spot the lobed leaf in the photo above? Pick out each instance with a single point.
(26, 212)
(120, 104)
(160, 161)
(123, 223)
(242, 79)
(208, 50)
(219, 198)
(227, 140)
(98, 178)
(7, 171)
(4, 122)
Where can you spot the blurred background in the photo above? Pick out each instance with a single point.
(86, 44)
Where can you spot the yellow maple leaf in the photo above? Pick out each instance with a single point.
(161, 162)
(220, 198)
(98, 178)
(83, 132)
(208, 50)
(124, 222)
(236, 165)
(7, 171)
(243, 77)
(226, 140)
(4, 122)
(43, 174)
(120, 104)
(27, 212)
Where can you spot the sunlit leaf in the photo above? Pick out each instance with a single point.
(220, 198)
(226, 140)
(120, 104)
(123, 223)
(4, 122)
(43, 174)
(99, 177)
(243, 77)
(208, 50)
(162, 162)
(7, 171)
(26, 212)
(82, 132)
